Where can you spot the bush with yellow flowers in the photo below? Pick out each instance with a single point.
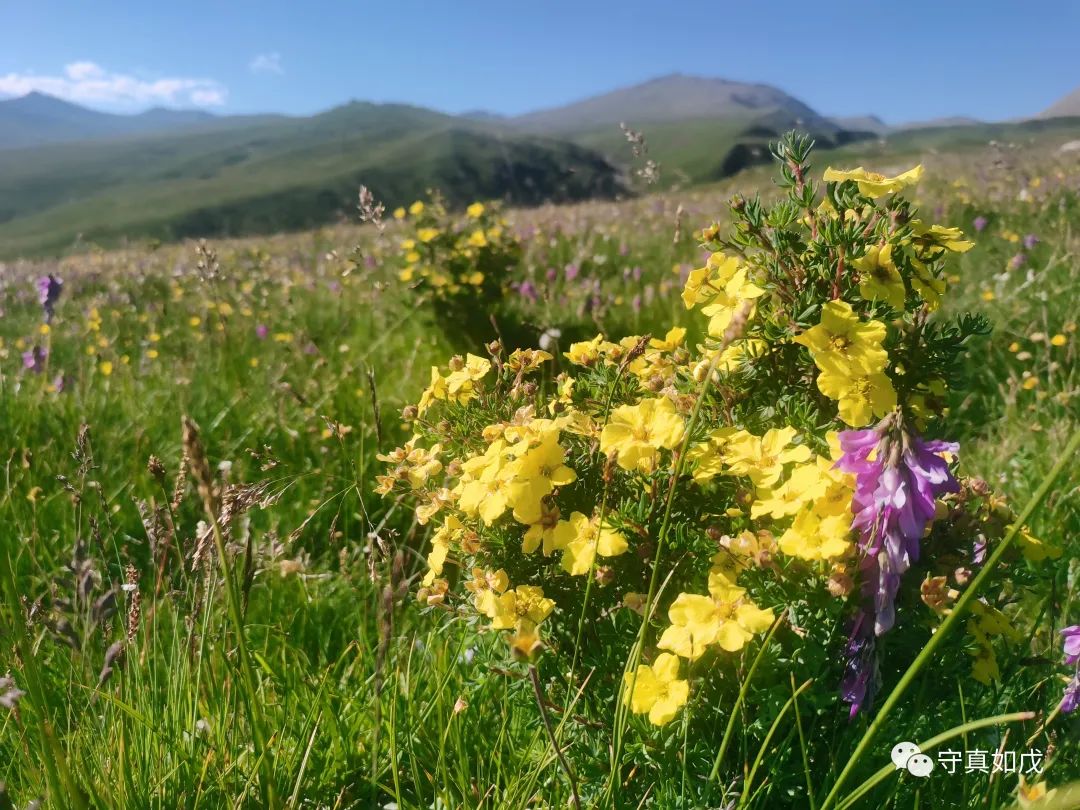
(463, 264)
(659, 506)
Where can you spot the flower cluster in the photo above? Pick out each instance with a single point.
(702, 491)
(463, 263)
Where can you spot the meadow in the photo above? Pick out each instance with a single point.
(211, 597)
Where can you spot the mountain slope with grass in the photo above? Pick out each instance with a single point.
(281, 175)
(698, 129)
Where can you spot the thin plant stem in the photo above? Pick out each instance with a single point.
(534, 677)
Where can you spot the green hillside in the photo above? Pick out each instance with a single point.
(285, 175)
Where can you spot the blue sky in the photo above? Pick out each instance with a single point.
(995, 59)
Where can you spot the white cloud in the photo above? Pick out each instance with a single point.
(89, 83)
(266, 63)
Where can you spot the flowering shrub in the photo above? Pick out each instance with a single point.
(667, 503)
(462, 264)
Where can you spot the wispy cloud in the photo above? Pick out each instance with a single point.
(266, 63)
(89, 83)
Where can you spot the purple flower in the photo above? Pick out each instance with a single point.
(261, 331)
(1071, 698)
(34, 359)
(58, 383)
(1017, 261)
(527, 289)
(894, 502)
(1072, 643)
(979, 223)
(571, 271)
(861, 677)
(49, 288)
(551, 274)
(1030, 241)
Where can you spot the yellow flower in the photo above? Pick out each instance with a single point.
(536, 474)
(932, 242)
(881, 280)
(485, 486)
(927, 285)
(427, 234)
(707, 457)
(872, 184)
(440, 548)
(416, 208)
(549, 530)
(477, 239)
(813, 537)
(1058, 340)
(106, 368)
(475, 210)
(638, 432)
(656, 689)
(485, 587)
(862, 395)
(586, 352)
(842, 342)
(724, 617)
(526, 603)
(762, 458)
(672, 340)
(589, 540)
(1034, 549)
(525, 360)
(399, 213)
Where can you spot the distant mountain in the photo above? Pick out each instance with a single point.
(861, 123)
(669, 98)
(282, 174)
(1068, 105)
(698, 129)
(483, 115)
(37, 119)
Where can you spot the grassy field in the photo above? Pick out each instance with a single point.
(298, 667)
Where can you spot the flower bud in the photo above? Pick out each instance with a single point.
(409, 413)
(605, 575)
(456, 363)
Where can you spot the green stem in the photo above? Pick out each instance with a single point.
(729, 732)
(951, 621)
(247, 672)
(745, 797)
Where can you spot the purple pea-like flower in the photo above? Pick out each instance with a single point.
(1071, 698)
(979, 223)
(1030, 241)
(894, 501)
(1072, 643)
(49, 288)
(861, 676)
(1017, 261)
